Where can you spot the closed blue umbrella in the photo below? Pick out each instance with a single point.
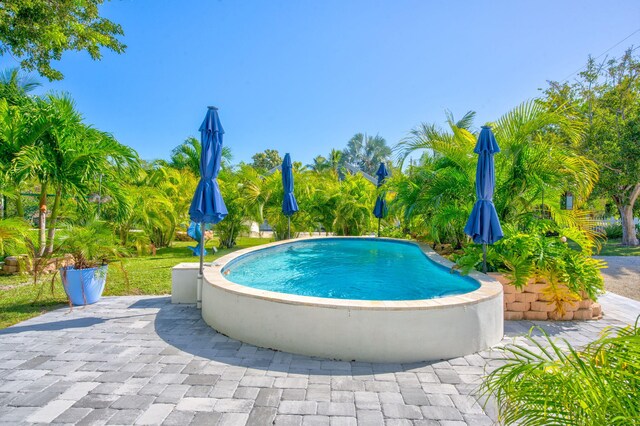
(289, 203)
(380, 209)
(207, 205)
(483, 225)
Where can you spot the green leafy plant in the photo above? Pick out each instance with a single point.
(613, 231)
(544, 383)
(542, 253)
(92, 245)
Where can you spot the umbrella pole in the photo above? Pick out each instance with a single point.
(484, 258)
(288, 227)
(201, 270)
(378, 227)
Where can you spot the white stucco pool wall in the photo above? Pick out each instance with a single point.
(370, 331)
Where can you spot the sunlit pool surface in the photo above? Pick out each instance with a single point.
(345, 268)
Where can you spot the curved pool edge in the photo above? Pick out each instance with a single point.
(360, 330)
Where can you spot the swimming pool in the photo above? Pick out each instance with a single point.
(351, 298)
(358, 269)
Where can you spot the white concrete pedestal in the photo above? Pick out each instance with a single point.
(184, 277)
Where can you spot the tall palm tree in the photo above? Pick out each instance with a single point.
(187, 156)
(67, 158)
(366, 152)
(20, 127)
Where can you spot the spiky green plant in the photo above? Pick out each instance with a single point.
(544, 383)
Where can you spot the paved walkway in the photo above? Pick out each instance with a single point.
(141, 360)
(622, 275)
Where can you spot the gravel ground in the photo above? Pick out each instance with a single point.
(623, 275)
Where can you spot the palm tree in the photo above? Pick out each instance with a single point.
(187, 156)
(366, 152)
(20, 127)
(67, 158)
(15, 86)
(441, 192)
(320, 164)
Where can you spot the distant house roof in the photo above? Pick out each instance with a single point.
(355, 170)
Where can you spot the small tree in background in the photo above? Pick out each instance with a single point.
(40, 31)
(606, 97)
(267, 160)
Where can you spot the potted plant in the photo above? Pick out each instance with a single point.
(91, 249)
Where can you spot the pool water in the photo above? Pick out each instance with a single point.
(348, 268)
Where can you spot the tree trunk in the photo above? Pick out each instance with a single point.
(625, 207)
(19, 206)
(53, 220)
(42, 216)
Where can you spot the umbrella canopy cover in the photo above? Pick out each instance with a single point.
(483, 225)
(380, 209)
(207, 205)
(289, 203)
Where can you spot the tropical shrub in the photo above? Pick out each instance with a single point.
(543, 383)
(542, 252)
(435, 197)
(613, 231)
(12, 232)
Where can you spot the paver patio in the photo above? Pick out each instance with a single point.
(141, 360)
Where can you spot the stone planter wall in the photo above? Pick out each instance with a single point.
(13, 265)
(531, 303)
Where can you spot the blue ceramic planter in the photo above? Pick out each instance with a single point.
(84, 286)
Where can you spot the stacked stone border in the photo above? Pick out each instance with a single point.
(531, 303)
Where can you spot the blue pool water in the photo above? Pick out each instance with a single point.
(363, 269)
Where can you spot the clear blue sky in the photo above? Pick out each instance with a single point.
(304, 76)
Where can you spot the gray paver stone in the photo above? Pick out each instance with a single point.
(316, 421)
(390, 398)
(268, 397)
(342, 396)
(98, 416)
(179, 418)
(140, 402)
(261, 416)
(234, 419)
(478, 419)
(343, 421)
(16, 415)
(441, 413)
(288, 420)
(246, 393)
(172, 394)
(39, 399)
(198, 391)
(206, 419)
(293, 394)
(201, 379)
(95, 400)
(234, 405)
(414, 397)
(337, 409)
(297, 407)
(196, 404)
(401, 411)
(370, 417)
(124, 417)
(72, 415)
(155, 414)
(439, 388)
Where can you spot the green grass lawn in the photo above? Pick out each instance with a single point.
(614, 248)
(147, 275)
